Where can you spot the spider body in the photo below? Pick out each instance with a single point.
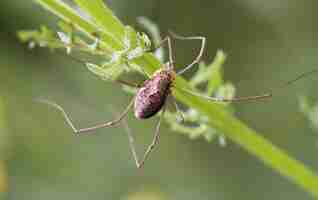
(153, 94)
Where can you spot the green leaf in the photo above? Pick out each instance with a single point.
(304, 105)
(310, 111)
(212, 74)
(130, 39)
(66, 27)
(106, 73)
(193, 131)
(200, 76)
(215, 73)
(69, 15)
(154, 32)
(226, 91)
(44, 37)
(103, 17)
(25, 36)
(152, 28)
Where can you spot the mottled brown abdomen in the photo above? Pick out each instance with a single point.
(152, 95)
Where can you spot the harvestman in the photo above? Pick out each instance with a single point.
(152, 95)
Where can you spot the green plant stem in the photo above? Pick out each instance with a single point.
(103, 16)
(233, 128)
(69, 15)
(257, 145)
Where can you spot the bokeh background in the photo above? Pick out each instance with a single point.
(267, 42)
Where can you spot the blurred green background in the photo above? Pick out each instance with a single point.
(267, 42)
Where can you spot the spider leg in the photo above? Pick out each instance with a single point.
(155, 140)
(87, 130)
(199, 56)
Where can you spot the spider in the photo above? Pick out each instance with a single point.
(152, 95)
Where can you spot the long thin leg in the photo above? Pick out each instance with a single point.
(254, 97)
(235, 99)
(150, 147)
(177, 108)
(131, 141)
(155, 140)
(198, 58)
(168, 40)
(122, 82)
(87, 130)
